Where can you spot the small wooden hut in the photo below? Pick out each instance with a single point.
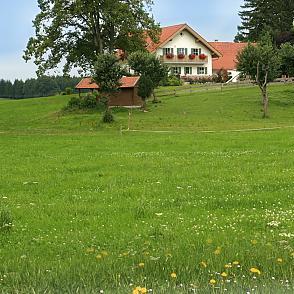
(127, 95)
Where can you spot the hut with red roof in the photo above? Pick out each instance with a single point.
(127, 96)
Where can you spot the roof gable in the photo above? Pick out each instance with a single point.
(170, 32)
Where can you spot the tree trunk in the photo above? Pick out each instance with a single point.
(265, 102)
(154, 97)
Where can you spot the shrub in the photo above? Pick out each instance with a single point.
(198, 80)
(172, 81)
(107, 117)
(5, 221)
(74, 102)
(88, 102)
(68, 90)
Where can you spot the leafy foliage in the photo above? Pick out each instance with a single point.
(145, 87)
(149, 66)
(172, 80)
(107, 73)
(287, 59)
(261, 63)
(76, 31)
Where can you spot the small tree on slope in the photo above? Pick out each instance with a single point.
(261, 63)
(150, 67)
(107, 74)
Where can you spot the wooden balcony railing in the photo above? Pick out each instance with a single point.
(186, 59)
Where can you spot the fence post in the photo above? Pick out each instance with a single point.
(175, 93)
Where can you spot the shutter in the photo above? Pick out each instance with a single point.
(186, 51)
(199, 51)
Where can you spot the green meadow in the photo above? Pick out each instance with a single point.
(196, 198)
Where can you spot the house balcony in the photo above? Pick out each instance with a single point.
(183, 59)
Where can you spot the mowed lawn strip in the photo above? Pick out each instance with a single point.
(96, 210)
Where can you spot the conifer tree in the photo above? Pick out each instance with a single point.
(257, 16)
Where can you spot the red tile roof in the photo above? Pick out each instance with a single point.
(166, 34)
(126, 82)
(229, 51)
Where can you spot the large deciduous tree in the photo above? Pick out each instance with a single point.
(261, 63)
(275, 16)
(73, 32)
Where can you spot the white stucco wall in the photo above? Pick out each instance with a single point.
(187, 40)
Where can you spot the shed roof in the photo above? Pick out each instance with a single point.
(229, 51)
(126, 82)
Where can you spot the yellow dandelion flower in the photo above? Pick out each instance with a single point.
(209, 241)
(104, 253)
(90, 250)
(99, 256)
(125, 254)
(173, 275)
(236, 262)
(255, 270)
(143, 290)
(292, 254)
(279, 260)
(228, 265)
(137, 290)
(217, 251)
(203, 263)
(224, 274)
(212, 282)
(253, 242)
(141, 264)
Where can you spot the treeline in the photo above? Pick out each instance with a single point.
(40, 87)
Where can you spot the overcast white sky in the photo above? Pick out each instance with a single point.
(213, 19)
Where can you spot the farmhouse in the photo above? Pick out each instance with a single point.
(228, 60)
(184, 51)
(126, 96)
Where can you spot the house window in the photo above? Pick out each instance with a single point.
(188, 70)
(176, 70)
(196, 51)
(202, 70)
(182, 51)
(168, 50)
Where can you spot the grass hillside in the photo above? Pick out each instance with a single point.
(88, 209)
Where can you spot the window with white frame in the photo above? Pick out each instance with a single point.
(196, 51)
(168, 51)
(176, 70)
(182, 51)
(201, 70)
(188, 70)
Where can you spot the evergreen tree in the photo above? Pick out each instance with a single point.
(257, 16)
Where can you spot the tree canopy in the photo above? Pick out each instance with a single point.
(275, 16)
(148, 66)
(74, 32)
(262, 64)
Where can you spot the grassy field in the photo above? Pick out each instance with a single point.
(97, 210)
